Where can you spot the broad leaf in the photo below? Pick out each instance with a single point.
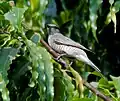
(64, 88)
(15, 17)
(116, 82)
(6, 57)
(94, 6)
(117, 6)
(42, 71)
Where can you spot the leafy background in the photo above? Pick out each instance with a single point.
(27, 70)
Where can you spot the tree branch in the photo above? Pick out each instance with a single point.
(62, 62)
(94, 90)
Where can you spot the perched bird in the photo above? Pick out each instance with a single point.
(65, 45)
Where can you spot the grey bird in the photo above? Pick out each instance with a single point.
(65, 45)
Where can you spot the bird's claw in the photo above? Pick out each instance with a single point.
(61, 55)
(71, 63)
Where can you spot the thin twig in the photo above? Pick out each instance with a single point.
(88, 85)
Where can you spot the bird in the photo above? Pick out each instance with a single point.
(64, 45)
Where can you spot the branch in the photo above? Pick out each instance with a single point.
(94, 90)
(62, 62)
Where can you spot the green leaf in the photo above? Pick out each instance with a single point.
(64, 89)
(6, 56)
(34, 5)
(3, 24)
(19, 76)
(13, 42)
(103, 83)
(4, 7)
(108, 19)
(117, 6)
(65, 17)
(1, 17)
(15, 17)
(111, 17)
(42, 71)
(48, 70)
(37, 4)
(108, 93)
(94, 6)
(98, 74)
(4, 38)
(111, 2)
(116, 82)
(43, 4)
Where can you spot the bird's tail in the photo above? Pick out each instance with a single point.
(94, 66)
(87, 61)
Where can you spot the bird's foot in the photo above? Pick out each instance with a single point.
(71, 63)
(61, 55)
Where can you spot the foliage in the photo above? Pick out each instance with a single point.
(27, 70)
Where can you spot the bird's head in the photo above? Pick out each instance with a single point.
(52, 29)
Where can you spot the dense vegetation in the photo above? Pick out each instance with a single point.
(28, 71)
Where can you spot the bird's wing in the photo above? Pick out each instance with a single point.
(63, 40)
